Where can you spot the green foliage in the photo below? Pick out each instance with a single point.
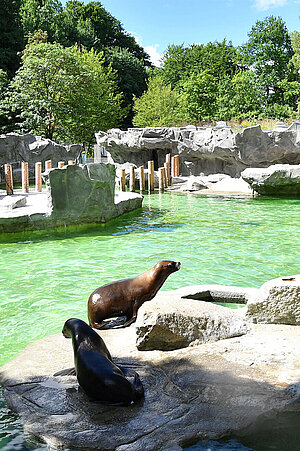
(158, 106)
(131, 76)
(295, 39)
(41, 15)
(268, 52)
(278, 111)
(11, 35)
(200, 94)
(64, 93)
(219, 59)
(241, 97)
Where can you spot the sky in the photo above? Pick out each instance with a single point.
(156, 24)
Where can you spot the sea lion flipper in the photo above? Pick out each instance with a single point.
(66, 372)
(134, 380)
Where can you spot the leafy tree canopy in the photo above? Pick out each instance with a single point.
(11, 35)
(158, 106)
(131, 76)
(268, 52)
(89, 25)
(65, 93)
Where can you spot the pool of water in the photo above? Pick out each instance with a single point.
(46, 277)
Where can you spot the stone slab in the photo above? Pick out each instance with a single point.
(172, 322)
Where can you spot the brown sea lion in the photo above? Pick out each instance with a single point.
(100, 378)
(124, 297)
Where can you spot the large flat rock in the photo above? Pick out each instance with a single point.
(208, 390)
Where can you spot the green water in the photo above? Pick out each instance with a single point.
(47, 277)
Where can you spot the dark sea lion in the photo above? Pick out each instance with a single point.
(124, 297)
(101, 379)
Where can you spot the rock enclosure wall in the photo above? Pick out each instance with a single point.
(16, 148)
(204, 150)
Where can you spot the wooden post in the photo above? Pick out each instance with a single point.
(151, 175)
(161, 183)
(71, 162)
(176, 165)
(60, 164)
(167, 175)
(25, 178)
(132, 179)
(142, 178)
(123, 180)
(38, 176)
(168, 168)
(48, 165)
(8, 179)
(172, 167)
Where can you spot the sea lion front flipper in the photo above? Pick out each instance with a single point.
(66, 372)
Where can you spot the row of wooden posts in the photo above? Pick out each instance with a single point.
(25, 175)
(170, 169)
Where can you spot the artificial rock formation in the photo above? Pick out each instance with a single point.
(205, 391)
(204, 150)
(76, 195)
(277, 302)
(171, 322)
(15, 148)
(276, 180)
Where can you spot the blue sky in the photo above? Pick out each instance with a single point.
(157, 23)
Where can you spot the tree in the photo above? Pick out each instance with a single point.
(216, 58)
(65, 93)
(44, 15)
(158, 106)
(11, 35)
(92, 26)
(131, 76)
(241, 97)
(268, 52)
(176, 66)
(295, 39)
(200, 91)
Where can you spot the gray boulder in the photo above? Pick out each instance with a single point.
(277, 302)
(84, 194)
(74, 195)
(276, 180)
(170, 322)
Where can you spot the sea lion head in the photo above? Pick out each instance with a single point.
(72, 325)
(167, 266)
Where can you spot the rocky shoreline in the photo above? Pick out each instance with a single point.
(207, 390)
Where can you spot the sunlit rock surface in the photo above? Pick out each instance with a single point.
(203, 391)
(276, 180)
(204, 150)
(75, 195)
(277, 301)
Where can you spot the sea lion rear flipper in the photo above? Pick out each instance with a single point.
(134, 379)
(66, 372)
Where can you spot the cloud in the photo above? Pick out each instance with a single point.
(264, 5)
(155, 56)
